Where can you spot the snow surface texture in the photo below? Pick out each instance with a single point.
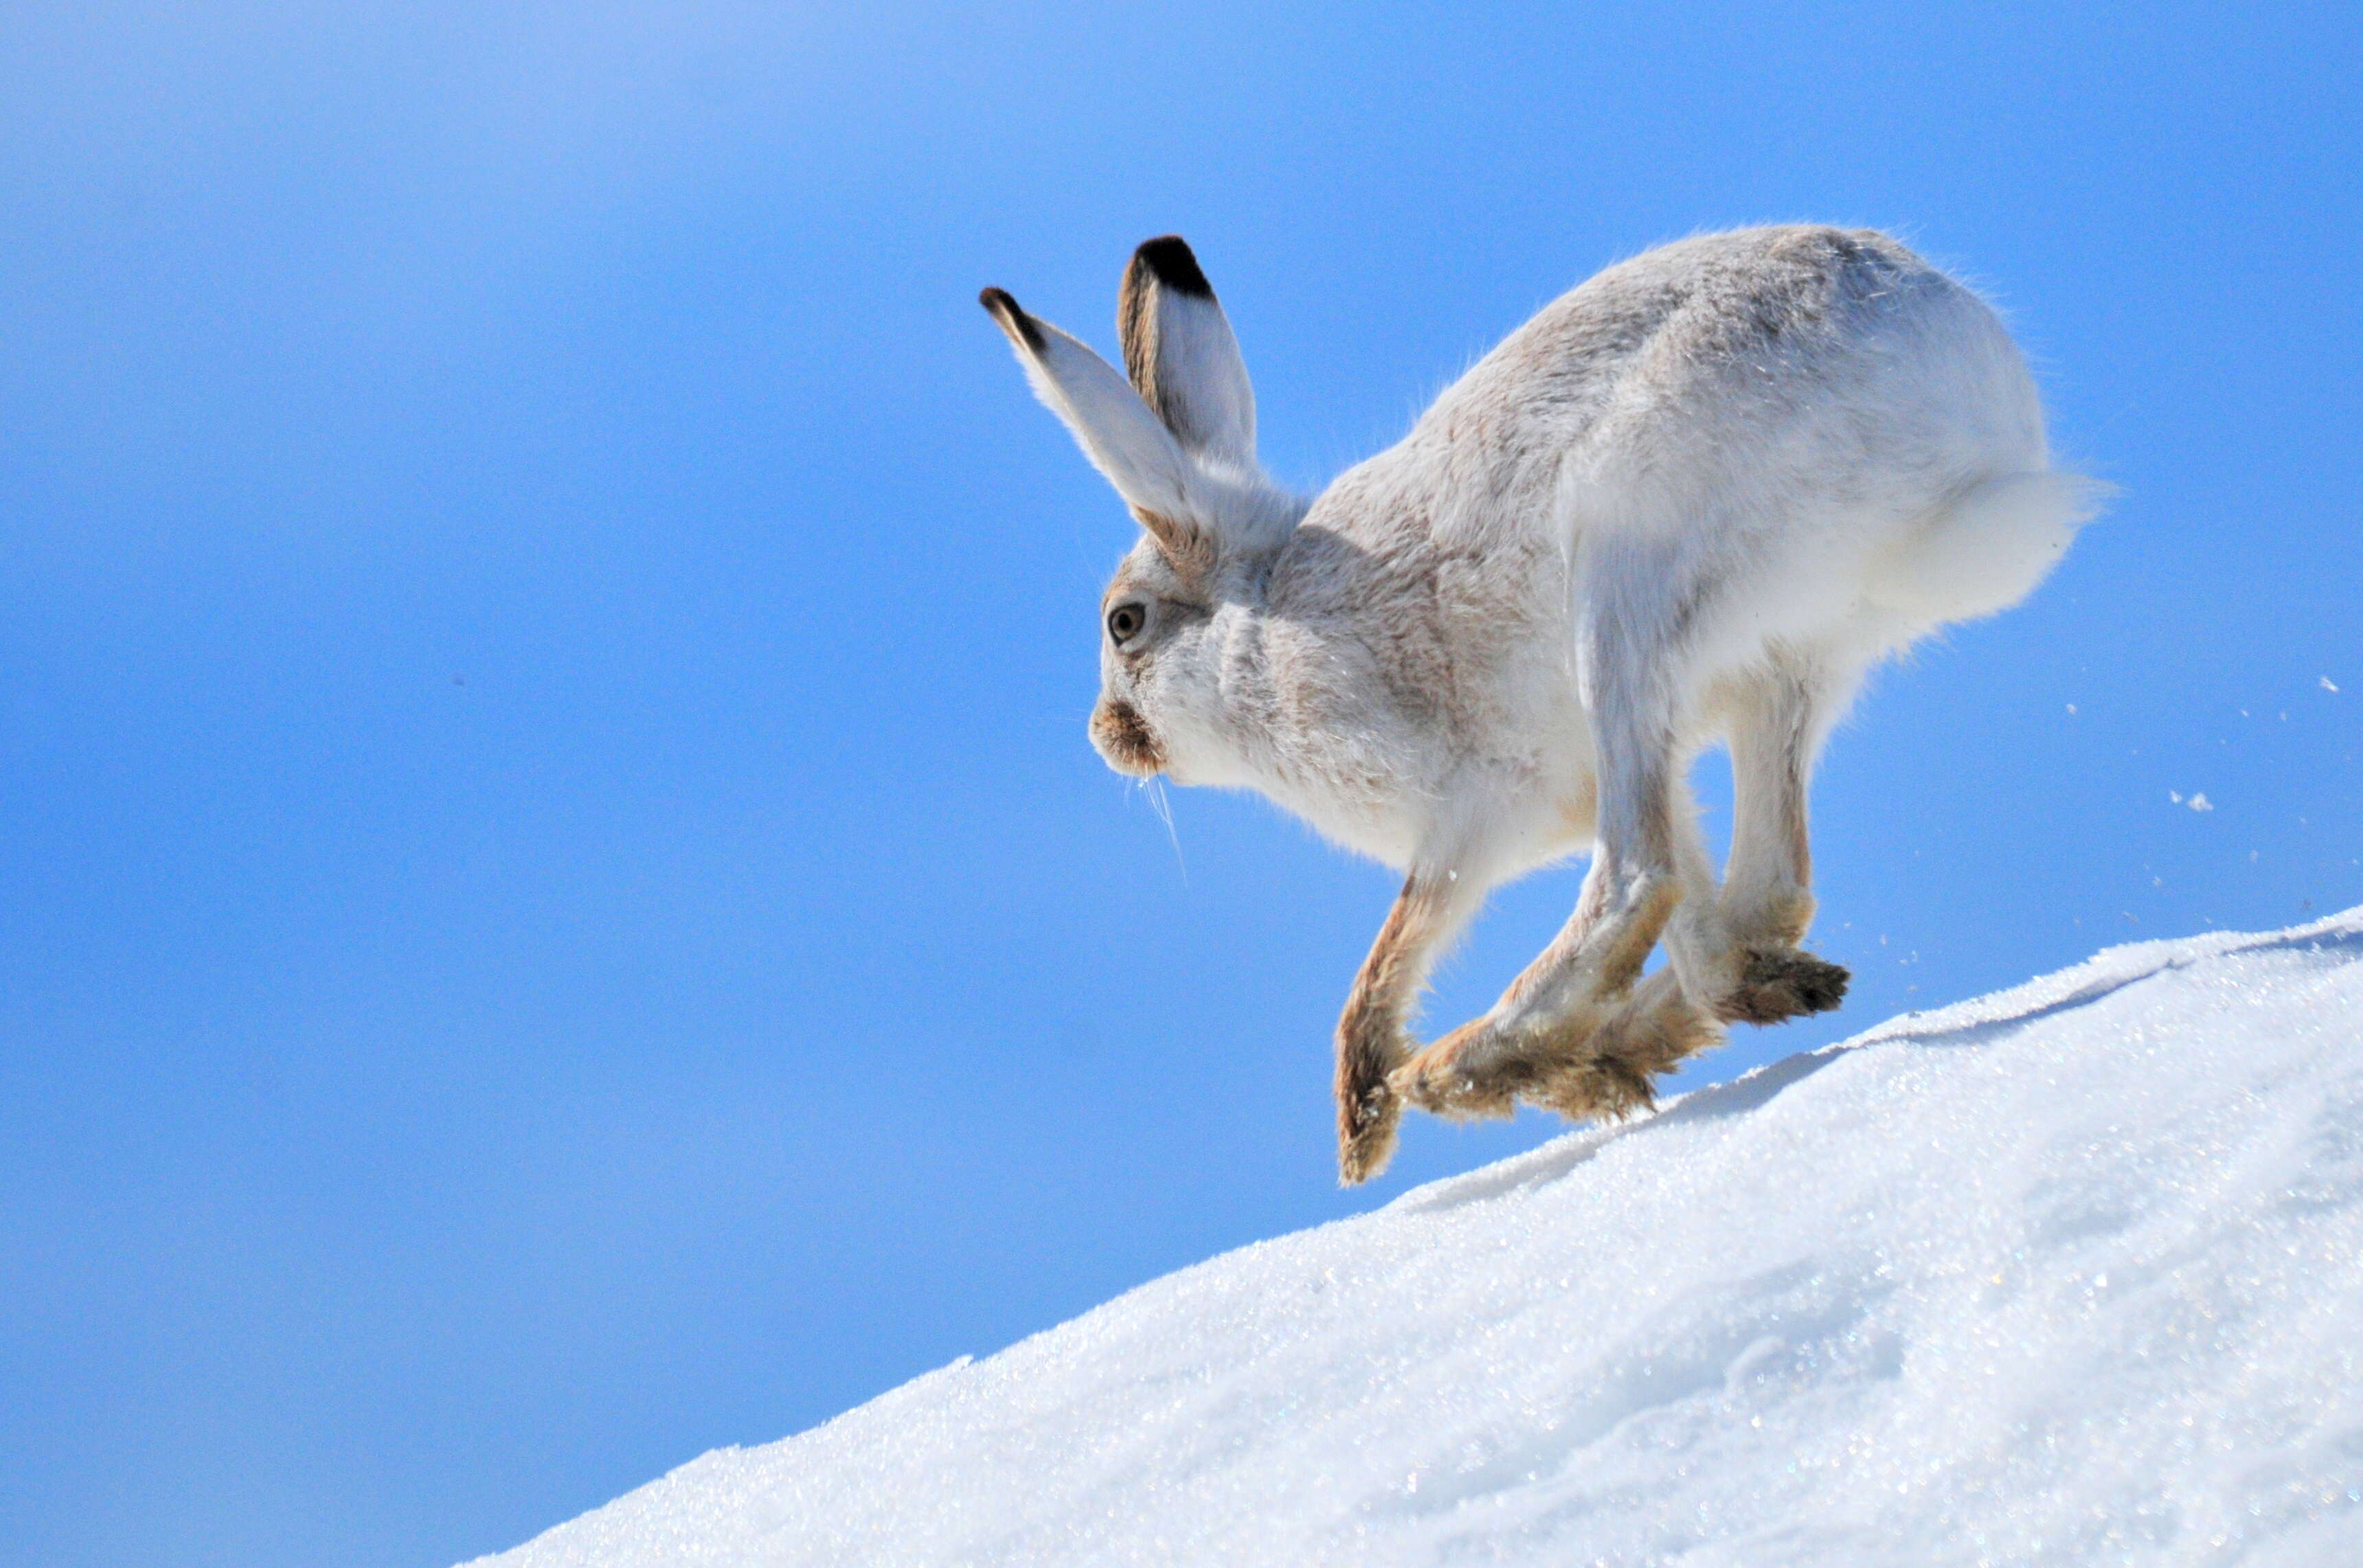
(2070, 1275)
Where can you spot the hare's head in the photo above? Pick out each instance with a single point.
(1177, 440)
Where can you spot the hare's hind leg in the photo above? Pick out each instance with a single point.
(1611, 1072)
(1768, 898)
(1574, 1032)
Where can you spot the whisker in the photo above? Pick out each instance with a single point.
(1155, 789)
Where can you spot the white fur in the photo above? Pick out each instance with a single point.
(1698, 497)
(1199, 365)
(1131, 448)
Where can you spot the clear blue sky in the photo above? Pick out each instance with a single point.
(555, 909)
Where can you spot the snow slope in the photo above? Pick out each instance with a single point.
(2070, 1275)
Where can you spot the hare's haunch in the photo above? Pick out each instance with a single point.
(1694, 500)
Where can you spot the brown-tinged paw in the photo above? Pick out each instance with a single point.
(1615, 1073)
(1603, 1089)
(1462, 1074)
(1778, 983)
(1368, 1112)
(1366, 1136)
(1369, 1043)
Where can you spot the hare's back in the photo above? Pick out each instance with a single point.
(1732, 338)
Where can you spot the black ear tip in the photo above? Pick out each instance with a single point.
(1011, 316)
(1170, 260)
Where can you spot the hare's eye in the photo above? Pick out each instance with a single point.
(1123, 622)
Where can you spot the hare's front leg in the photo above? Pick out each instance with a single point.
(1768, 898)
(1372, 1037)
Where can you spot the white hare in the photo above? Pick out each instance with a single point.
(1697, 498)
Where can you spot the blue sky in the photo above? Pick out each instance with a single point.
(555, 910)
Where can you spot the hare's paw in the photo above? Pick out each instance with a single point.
(1366, 1134)
(1780, 983)
(1470, 1072)
(1369, 1043)
(1613, 1076)
(1596, 1089)
(1656, 1030)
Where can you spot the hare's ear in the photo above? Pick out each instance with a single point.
(1179, 350)
(1124, 440)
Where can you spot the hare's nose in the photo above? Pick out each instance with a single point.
(1123, 738)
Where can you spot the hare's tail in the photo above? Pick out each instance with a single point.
(1991, 547)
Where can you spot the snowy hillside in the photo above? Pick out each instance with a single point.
(2072, 1274)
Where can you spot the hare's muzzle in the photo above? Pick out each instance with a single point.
(1122, 736)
